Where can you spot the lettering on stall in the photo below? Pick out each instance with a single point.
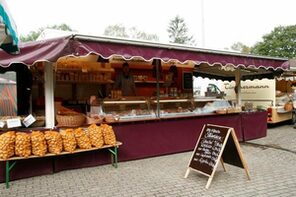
(208, 149)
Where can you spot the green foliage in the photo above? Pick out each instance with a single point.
(178, 31)
(137, 34)
(281, 42)
(33, 35)
(119, 30)
(240, 47)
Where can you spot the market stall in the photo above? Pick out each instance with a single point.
(150, 124)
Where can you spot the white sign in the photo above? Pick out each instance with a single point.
(15, 122)
(29, 120)
(259, 92)
(2, 124)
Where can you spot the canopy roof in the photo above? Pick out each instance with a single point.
(106, 47)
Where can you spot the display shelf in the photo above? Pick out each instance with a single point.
(206, 99)
(148, 81)
(85, 81)
(125, 102)
(171, 100)
(141, 117)
(100, 70)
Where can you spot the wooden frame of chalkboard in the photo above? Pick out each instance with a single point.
(216, 143)
(187, 81)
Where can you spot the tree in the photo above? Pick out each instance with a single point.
(120, 31)
(33, 35)
(281, 42)
(117, 30)
(178, 32)
(241, 48)
(137, 34)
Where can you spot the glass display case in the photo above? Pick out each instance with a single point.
(189, 106)
(139, 108)
(128, 108)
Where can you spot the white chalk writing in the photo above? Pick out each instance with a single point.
(209, 147)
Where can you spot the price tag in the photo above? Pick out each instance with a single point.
(2, 124)
(14, 122)
(29, 120)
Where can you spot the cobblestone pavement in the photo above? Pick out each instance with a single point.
(271, 162)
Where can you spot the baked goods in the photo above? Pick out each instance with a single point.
(54, 142)
(38, 142)
(69, 141)
(108, 134)
(82, 139)
(7, 142)
(95, 135)
(22, 144)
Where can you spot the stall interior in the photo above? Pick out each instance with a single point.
(85, 85)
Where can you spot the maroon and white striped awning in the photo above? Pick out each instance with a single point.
(80, 45)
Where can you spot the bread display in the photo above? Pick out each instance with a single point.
(69, 141)
(7, 143)
(22, 144)
(108, 134)
(95, 135)
(54, 142)
(82, 139)
(38, 142)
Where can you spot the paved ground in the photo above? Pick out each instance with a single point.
(271, 161)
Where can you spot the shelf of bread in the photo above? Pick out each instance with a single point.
(86, 81)
(171, 100)
(126, 100)
(21, 145)
(75, 77)
(206, 99)
(148, 81)
(76, 64)
(86, 69)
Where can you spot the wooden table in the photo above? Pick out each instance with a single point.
(10, 163)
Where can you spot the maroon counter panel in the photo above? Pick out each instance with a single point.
(153, 138)
(142, 139)
(81, 160)
(254, 125)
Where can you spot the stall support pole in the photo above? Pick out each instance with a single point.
(157, 61)
(49, 95)
(7, 172)
(238, 86)
(114, 156)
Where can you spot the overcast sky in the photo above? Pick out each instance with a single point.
(226, 21)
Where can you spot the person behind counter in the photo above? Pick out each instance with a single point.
(125, 81)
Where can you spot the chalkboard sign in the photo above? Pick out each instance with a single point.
(208, 148)
(187, 81)
(216, 143)
(231, 154)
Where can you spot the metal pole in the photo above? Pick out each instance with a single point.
(157, 87)
(238, 85)
(202, 24)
